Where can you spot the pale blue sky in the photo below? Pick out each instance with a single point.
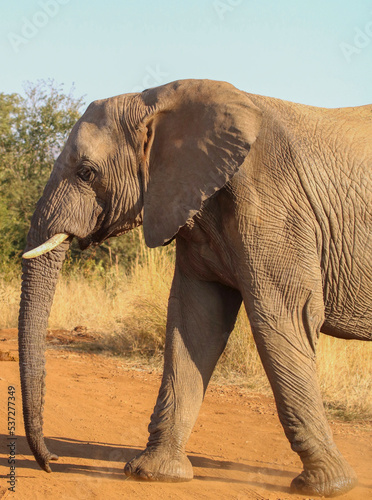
(311, 51)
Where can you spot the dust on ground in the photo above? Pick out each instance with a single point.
(96, 416)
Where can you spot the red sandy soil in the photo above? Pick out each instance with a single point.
(96, 416)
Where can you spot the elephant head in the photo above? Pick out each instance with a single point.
(150, 158)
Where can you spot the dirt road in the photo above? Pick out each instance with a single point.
(96, 416)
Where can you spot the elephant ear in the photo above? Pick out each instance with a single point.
(197, 134)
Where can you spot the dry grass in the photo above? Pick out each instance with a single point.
(129, 311)
(9, 302)
(345, 374)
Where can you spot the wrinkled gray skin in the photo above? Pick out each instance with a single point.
(270, 205)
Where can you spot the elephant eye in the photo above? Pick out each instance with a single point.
(86, 173)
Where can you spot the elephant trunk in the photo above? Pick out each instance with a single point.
(39, 281)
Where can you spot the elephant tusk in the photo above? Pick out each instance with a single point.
(46, 247)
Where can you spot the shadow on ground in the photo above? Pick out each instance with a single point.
(113, 453)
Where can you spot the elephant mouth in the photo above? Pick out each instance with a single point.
(86, 242)
(103, 234)
(97, 238)
(94, 239)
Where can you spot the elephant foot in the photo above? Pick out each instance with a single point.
(156, 465)
(320, 482)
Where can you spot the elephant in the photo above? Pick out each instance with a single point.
(270, 205)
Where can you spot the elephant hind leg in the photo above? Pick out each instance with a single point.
(285, 323)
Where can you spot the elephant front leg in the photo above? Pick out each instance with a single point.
(286, 344)
(201, 316)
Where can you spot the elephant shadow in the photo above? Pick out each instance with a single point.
(114, 453)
